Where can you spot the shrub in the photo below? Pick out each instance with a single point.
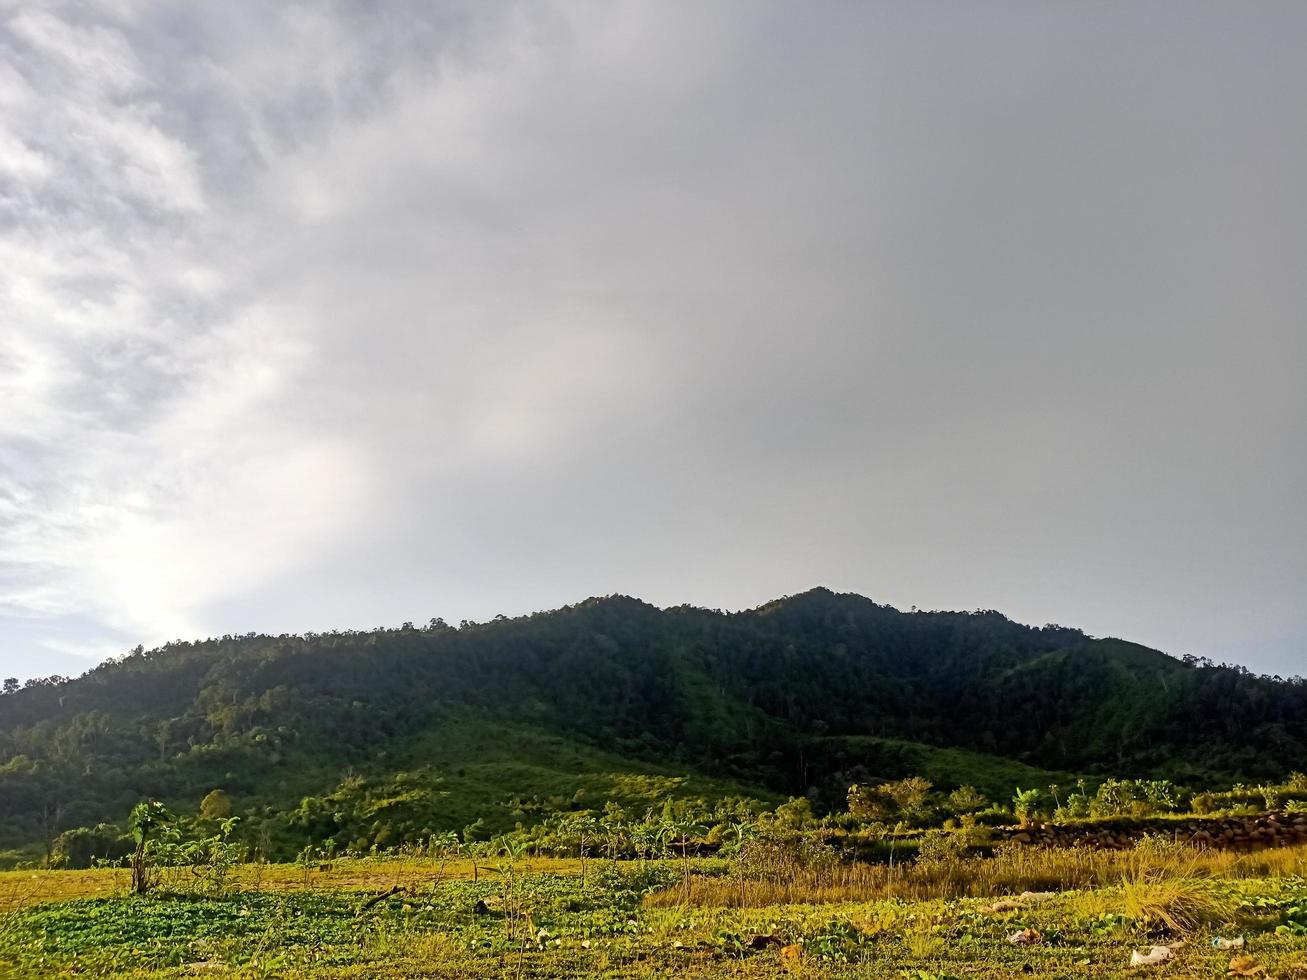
(966, 799)
(147, 818)
(215, 806)
(82, 847)
(907, 798)
(781, 856)
(993, 816)
(939, 847)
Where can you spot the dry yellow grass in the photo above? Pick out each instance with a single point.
(1013, 870)
(22, 888)
(1178, 905)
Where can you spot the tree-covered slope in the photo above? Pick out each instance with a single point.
(792, 697)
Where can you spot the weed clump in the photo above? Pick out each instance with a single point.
(1167, 889)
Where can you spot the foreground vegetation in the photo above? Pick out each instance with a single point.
(908, 882)
(769, 913)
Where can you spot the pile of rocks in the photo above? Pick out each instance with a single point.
(1239, 833)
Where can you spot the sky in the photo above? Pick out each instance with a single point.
(332, 315)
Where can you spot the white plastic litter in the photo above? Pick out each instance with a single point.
(1158, 954)
(1219, 942)
(1035, 898)
(1021, 901)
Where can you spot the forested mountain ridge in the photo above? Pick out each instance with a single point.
(801, 695)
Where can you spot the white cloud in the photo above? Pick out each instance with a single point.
(145, 468)
(320, 315)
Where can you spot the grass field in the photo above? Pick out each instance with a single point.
(535, 918)
(992, 775)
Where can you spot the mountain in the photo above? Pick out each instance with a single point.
(614, 698)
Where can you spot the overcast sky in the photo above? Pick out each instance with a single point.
(313, 316)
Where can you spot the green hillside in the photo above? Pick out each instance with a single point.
(614, 699)
(503, 774)
(866, 758)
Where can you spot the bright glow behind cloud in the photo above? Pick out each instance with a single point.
(330, 315)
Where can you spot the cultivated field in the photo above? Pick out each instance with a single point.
(1072, 913)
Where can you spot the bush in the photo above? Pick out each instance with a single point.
(215, 806)
(209, 860)
(779, 856)
(994, 816)
(83, 847)
(938, 847)
(966, 800)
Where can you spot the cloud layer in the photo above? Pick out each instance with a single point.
(315, 317)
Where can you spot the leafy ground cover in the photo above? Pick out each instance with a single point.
(518, 918)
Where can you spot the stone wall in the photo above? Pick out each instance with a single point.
(1239, 833)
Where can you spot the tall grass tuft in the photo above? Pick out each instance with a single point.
(1175, 905)
(1168, 887)
(1170, 883)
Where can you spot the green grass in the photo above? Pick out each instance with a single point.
(945, 767)
(502, 772)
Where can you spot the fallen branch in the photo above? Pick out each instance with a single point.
(396, 890)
